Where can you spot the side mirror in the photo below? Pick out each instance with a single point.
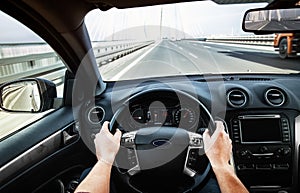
(272, 20)
(28, 95)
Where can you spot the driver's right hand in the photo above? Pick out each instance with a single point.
(218, 147)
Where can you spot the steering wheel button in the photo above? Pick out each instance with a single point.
(195, 142)
(191, 163)
(130, 152)
(192, 159)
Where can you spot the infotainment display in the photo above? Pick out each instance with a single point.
(262, 130)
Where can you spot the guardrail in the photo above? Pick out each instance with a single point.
(105, 54)
(28, 66)
(49, 65)
(262, 40)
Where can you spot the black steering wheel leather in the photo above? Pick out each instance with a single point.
(161, 156)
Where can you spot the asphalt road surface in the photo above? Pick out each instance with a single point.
(190, 57)
(174, 58)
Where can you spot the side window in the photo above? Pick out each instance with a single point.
(23, 54)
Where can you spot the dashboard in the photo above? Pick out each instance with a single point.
(261, 115)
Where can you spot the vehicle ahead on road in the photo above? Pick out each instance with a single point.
(288, 44)
(140, 65)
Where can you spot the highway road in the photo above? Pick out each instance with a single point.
(191, 57)
(177, 58)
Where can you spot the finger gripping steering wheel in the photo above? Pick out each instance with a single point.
(162, 158)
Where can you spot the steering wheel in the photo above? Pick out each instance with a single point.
(162, 158)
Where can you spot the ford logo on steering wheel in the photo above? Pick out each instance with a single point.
(161, 142)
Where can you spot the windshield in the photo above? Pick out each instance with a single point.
(193, 38)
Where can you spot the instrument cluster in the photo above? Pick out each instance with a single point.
(159, 115)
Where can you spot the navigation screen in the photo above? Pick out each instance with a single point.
(260, 130)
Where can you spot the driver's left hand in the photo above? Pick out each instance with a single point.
(106, 144)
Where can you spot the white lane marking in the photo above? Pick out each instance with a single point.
(173, 44)
(206, 46)
(182, 49)
(264, 26)
(135, 62)
(192, 55)
(238, 53)
(225, 51)
(195, 44)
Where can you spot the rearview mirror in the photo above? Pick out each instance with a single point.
(29, 95)
(272, 21)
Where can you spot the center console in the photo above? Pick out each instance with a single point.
(263, 151)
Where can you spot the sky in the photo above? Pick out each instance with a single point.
(193, 19)
(12, 31)
(184, 20)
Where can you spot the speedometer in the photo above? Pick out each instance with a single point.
(184, 117)
(138, 115)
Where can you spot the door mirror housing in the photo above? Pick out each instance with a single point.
(262, 21)
(28, 95)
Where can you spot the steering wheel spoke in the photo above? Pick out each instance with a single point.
(128, 142)
(195, 149)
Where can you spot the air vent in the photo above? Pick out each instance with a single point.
(237, 78)
(96, 115)
(237, 98)
(254, 79)
(275, 97)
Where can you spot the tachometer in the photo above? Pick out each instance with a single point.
(138, 115)
(184, 118)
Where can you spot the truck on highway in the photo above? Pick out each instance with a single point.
(287, 44)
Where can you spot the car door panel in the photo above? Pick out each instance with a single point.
(42, 152)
